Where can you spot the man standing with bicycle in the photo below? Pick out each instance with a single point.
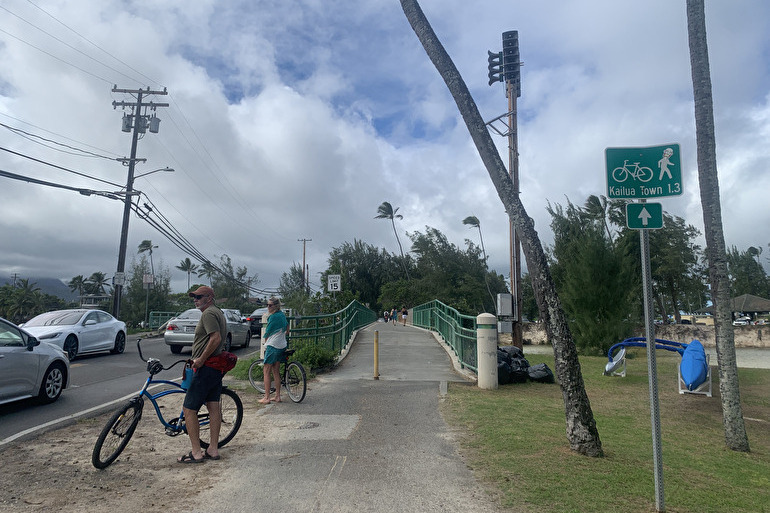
(206, 386)
(274, 338)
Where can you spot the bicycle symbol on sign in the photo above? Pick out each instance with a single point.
(621, 174)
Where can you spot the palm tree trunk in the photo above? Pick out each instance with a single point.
(582, 434)
(732, 415)
(400, 248)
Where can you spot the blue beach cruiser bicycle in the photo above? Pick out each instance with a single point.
(122, 424)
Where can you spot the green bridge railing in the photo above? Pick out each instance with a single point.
(332, 331)
(457, 330)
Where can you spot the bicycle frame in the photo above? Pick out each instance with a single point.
(176, 425)
(179, 427)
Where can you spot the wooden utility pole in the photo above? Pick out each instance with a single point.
(305, 279)
(139, 121)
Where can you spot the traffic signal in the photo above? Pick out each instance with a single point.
(495, 67)
(511, 72)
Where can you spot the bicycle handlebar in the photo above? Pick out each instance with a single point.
(139, 348)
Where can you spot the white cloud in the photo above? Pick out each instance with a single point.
(295, 120)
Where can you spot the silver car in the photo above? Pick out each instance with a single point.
(180, 331)
(79, 331)
(30, 368)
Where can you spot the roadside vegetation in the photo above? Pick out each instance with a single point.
(513, 439)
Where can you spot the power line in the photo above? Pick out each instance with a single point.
(30, 136)
(62, 42)
(59, 167)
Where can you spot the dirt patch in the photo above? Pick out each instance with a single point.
(53, 472)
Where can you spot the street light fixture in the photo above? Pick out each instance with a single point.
(166, 169)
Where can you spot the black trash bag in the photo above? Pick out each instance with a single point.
(503, 356)
(541, 373)
(519, 367)
(513, 351)
(503, 373)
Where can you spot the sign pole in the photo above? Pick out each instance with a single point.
(652, 369)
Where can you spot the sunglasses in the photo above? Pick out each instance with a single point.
(198, 296)
(271, 304)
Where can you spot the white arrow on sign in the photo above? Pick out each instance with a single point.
(644, 216)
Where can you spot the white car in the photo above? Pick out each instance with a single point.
(30, 368)
(79, 331)
(742, 321)
(180, 331)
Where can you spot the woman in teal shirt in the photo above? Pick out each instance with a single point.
(274, 339)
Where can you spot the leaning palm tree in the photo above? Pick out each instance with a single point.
(474, 222)
(187, 266)
(146, 245)
(708, 179)
(386, 211)
(582, 433)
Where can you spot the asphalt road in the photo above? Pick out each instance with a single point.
(97, 382)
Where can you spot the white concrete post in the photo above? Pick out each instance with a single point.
(486, 351)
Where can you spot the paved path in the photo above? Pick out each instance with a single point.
(359, 444)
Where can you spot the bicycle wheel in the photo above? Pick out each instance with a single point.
(296, 381)
(232, 416)
(619, 174)
(645, 174)
(116, 433)
(256, 376)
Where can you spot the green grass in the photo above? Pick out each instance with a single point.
(515, 440)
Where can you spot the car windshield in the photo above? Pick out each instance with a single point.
(192, 313)
(60, 318)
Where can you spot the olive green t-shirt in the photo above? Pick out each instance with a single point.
(212, 320)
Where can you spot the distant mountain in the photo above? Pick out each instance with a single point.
(52, 286)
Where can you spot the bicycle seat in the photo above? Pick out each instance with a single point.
(289, 352)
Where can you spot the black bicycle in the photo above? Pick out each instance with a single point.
(293, 377)
(121, 426)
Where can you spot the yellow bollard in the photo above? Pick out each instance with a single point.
(376, 354)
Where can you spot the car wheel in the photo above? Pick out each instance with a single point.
(248, 339)
(53, 383)
(71, 347)
(176, 349)
(120, 343)
(228, 342)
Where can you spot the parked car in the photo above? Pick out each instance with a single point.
(79, 331)
(255, 320)
(30, 368)
(742, 321)
(180, 331)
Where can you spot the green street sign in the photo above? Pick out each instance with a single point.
(642, 173)
(644, 216)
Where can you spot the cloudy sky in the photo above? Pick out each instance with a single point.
(296, 119)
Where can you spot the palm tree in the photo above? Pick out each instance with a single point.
(77, 284)
(474, 222)
(708, 179)
(146, 245)
(26, 299)
(581, 430)
(386, 211)
(98, 282)
(207, 270)
(187, 266)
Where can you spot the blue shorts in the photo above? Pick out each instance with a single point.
(206, 387)
(273, 355)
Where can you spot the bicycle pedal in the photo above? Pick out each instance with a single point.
(173, 432)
